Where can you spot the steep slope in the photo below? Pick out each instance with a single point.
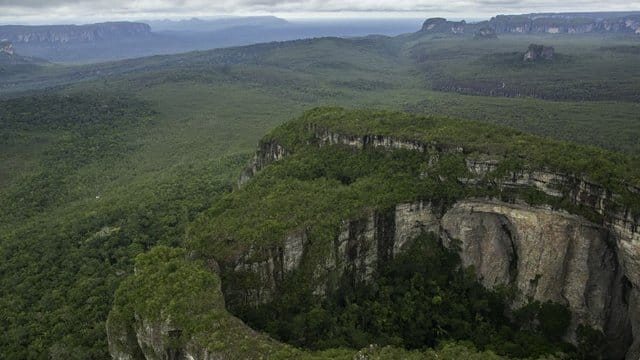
(339, 193)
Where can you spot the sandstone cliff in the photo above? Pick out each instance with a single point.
(542, 23)
(591, 266)
(62, 34)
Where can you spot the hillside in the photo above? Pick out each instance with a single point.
(340, 206)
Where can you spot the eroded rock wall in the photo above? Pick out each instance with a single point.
(546, 254)
(62, 34)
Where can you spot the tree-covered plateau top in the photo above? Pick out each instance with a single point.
(314, 189)
(595, 163)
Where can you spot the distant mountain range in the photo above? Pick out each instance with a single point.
(63, 34)
(561, 23)
(121, 40)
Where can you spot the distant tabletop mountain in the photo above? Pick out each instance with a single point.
(562, 23)
(63, 34)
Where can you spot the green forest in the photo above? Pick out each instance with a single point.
(104, 167)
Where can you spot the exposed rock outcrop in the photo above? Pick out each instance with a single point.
(546, 254)
(173, 309)
(485, 33)
(267, 153)
(538, 53)
(441, 25)
(626, 23)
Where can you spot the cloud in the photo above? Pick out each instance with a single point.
(23, 10)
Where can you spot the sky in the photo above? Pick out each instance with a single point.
(85, 11)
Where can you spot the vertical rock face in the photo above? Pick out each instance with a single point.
(360, 247)
(539, 52)
(61, 34)
(268, 152)
(546, 255)
(412, 220)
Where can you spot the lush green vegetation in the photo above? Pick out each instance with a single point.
(126, 154)
(167, 286)
(315, 188)
(577, 71)
(80, 199)
(514, 148)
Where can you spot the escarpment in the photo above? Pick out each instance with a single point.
(577, 245)
(628, 23)
(62, 34)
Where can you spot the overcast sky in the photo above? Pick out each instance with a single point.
(83, 11)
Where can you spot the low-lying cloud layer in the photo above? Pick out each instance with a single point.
(50, 9)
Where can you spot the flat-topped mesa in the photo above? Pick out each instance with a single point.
(441, 25)
(590, 265)
(325, 137)
(539, 23)
(62, 34)
(579, 189)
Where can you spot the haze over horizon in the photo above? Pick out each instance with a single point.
(88, 11)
